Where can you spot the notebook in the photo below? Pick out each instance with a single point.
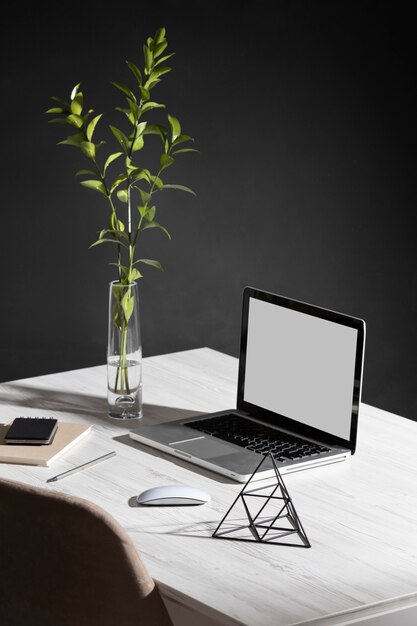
(298, 394)
(67, 435)
(31, 431)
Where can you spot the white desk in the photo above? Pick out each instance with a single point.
(360, 515)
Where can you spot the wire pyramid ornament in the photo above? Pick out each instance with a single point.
(263, 513)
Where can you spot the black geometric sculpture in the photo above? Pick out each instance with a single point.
(263, 513)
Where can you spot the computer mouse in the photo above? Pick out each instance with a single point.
(173, 495)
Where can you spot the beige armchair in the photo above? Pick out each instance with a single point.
(66, 562)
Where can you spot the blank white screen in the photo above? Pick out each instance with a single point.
(300, 366)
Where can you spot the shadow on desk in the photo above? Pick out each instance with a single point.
(157, 414)
(202, 530)
(86, 405)
(83, 404)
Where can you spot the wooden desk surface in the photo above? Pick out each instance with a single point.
(360, 515)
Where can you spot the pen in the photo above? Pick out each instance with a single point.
(81, 467)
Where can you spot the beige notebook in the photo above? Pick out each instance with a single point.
(66, 436)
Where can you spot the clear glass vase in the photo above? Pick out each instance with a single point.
(124, 353)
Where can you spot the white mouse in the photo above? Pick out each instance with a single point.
(173, 495)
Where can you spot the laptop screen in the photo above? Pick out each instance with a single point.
(301, 363)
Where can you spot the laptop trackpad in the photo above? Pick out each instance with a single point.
(204, 448)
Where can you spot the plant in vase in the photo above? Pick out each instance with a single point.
(130, 191)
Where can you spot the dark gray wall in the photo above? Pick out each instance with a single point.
(306, 125)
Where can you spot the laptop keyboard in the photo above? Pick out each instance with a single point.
(257, 437)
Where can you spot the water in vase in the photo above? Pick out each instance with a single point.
(124, 388)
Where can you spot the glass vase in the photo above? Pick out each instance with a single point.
(124, 353)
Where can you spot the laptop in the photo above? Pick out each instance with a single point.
(298, 394)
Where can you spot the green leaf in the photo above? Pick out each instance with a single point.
(180, 188)
(75, 120)
(86, 173)
(123, 195)
(165, 58)
(156, 129)
(134, 274)
(77, 104)
(73, 140)
(55, 110)
(121, 138)
(148, 59)
(110, 159)
(160, 35)
(150, 213)
(184, 150)
(128, 304)
(159, 71)
(75, 91)
(130, 116)
(118, 181)
(152, 105)
(90, 128)
(130, 166)
(175, 127)
(150, 83)
(141, 174)
(125, 90)
(116, 312)
(141, 128)
(60, 120)
(135, 110)
(165, 161)
(138, 144)
(135, 71)
(159, 48)
(154, 224)
(89, 149)
(99, 241)
(145, 93)
(158, 182)
(61, 101)
(96, 185)
(144, 195)
(181, 139)
(116, 225)
(151, 262)
(114, 233)
(130, 274)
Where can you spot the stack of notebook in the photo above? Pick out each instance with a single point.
(63, 437)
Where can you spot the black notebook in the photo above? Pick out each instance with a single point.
(32, 430)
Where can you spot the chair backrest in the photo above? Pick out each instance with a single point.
(66, 562)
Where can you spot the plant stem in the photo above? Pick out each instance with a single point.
(124, 359)
(122, 371)
(113, 210)
(129, 226)
(119, 249)
(151, 191)
(122, 367)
